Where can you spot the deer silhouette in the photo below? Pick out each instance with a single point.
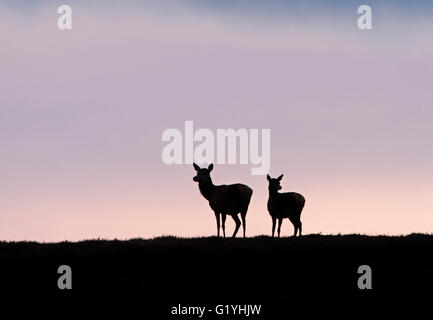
(224, 199)
(284, 205)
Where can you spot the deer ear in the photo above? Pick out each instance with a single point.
(210, 168)
(268, 177)
(196, 167)
(280, 177)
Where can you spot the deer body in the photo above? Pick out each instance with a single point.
(224, 199)
(284, 205)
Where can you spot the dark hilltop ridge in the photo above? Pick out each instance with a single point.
(218, 270)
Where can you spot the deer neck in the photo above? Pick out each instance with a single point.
(206, 189)
(272, 192)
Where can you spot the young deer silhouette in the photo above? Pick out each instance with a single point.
(284, 205)
(224, 199)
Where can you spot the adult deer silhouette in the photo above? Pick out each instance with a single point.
(284, 205)
(224, 199)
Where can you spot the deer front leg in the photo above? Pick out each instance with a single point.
(280, 221)
(224, 224)
(273, 226)
(217, 216)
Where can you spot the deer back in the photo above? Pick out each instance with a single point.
(230, 199)
(285, 205)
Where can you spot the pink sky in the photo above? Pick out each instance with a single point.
(82, 114)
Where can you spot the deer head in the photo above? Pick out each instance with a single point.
(203, 174)
(274, 183)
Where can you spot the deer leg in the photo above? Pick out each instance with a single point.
(223, 218)
(217, 216)
(244, 223)
(280, 221)
(298, 226)
(273, 226)
(238, 224)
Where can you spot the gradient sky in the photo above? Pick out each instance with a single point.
(82, 114)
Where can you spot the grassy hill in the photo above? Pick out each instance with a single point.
(214, 270)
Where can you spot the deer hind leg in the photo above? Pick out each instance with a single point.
(280, 221)
(217, 216)
(224, 224)
(244, 223)
(300, 227)
(238, 224)
(274, 220)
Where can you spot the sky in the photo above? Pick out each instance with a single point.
(82, 114)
